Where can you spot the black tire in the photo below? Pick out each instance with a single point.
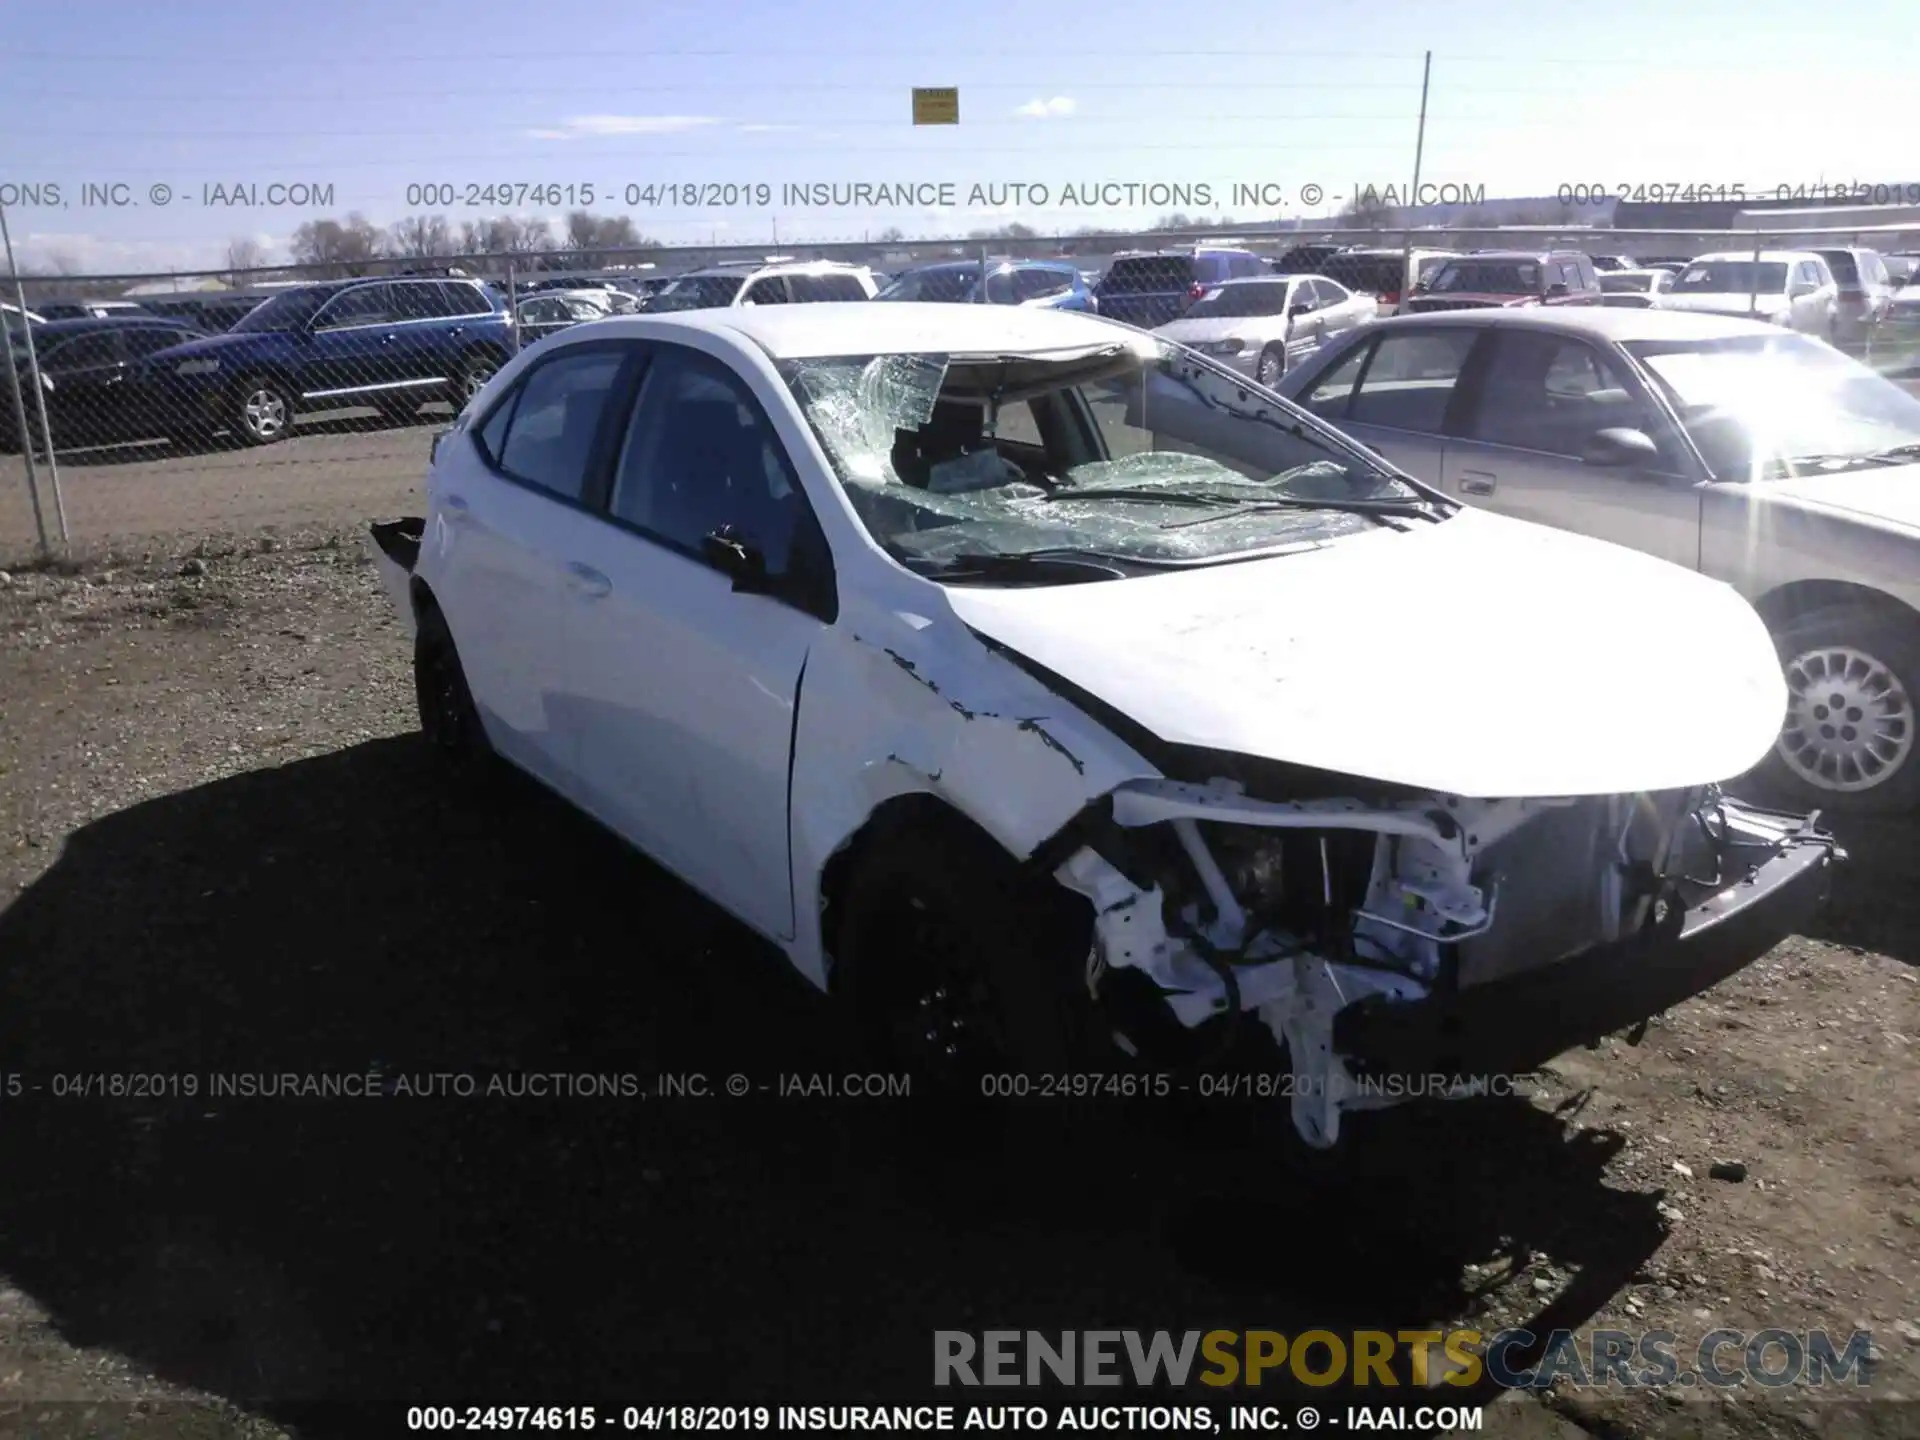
(955, 965)
(1866, 655)
(262, 410)
(1274, 357)
(470, 375)
(449, 720)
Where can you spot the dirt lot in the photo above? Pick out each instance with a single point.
(221, 853)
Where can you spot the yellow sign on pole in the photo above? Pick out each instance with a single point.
(936, 107)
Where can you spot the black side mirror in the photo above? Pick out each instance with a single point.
(733, 555)
(1620, 446)
(1556, 289)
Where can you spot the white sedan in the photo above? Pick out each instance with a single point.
(1263, 326)
(1052, 696)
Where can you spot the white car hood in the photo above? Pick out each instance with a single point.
(1725, 303)
(1198, 332)
(1887, 497)
(1482, 657)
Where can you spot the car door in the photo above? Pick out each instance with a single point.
(1519, 445)
(88, 375)
(1343, 309)
(419, 358)
(1393, 392)
(350, 346)
(683, 684)
(510, 499)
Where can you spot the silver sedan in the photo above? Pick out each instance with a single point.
(1758, 456)
(1262, 326)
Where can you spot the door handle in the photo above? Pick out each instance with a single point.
(1476, 482)
(588, 581)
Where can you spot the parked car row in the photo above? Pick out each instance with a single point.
(1018, 673)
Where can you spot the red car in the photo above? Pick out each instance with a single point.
(1489, 278)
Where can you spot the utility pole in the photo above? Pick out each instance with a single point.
(1407, 276)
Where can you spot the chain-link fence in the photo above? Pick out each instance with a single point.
(223, 399)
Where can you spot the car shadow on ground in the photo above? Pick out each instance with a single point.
(1875, 906)
(357, 913)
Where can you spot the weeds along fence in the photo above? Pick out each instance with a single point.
(360, 375)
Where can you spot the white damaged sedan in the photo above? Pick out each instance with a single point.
(1057, 695)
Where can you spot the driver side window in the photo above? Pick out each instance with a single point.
(365, 305)
(1550, 394)
(700, 455)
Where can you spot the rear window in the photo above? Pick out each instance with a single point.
(1488, 277)
(1149, 275)
(698, 292)
(1368, 274)
(1842, 266)
(811, 289)
(1240, 299)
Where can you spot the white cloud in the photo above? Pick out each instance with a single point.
(97, 255)
(1046, 109)
(767, 129)
(586, 125)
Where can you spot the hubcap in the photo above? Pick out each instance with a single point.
(1850, 721)
(266, 413)
(477, 378)
(1269, 369)
(947, 1022)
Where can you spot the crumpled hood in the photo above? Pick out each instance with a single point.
(1888, 497)
(1482, 657)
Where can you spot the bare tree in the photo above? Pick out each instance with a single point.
(244, 254)
(342, 247)
(1367, 210)
(422, 237)
(892, 235)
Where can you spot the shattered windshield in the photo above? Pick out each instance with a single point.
(1133, 452)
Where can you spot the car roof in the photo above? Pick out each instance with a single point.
(1515, 254)
(777, 267)
(1767, 257)
(856, 327)
(1599, 322)
(59, 329)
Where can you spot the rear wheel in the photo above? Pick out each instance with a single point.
(448, 717)
(1850, 741)
(472, 377)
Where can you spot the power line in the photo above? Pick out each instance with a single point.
(734, 127)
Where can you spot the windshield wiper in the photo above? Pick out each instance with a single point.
(1158, 497)
(1062, 565)
(1384, 511)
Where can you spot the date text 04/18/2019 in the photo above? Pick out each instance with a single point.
(1684, 192)
(925, 1419)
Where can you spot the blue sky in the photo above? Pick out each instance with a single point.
(749, 94)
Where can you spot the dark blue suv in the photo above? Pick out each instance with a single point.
(392, 344)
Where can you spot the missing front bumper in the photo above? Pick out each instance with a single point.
(1517, 1024)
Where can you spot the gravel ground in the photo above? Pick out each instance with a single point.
(222, 852)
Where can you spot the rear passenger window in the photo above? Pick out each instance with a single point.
(548, 438)
(1411, 380)
(811, 289)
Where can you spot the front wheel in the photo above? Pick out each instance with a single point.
(1849, 741)
(263, 410)
(1272, 366)
(958, 968)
